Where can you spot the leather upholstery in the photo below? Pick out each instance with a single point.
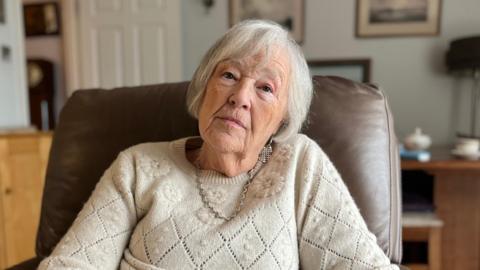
(94, 126)
(353, 124)
(351, 121)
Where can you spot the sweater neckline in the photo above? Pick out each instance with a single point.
(178, 151)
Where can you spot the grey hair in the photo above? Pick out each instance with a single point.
(248, 38)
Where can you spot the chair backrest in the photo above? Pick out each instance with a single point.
(353, 124)
(351, 121)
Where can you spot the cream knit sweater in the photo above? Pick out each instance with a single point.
(146, 213)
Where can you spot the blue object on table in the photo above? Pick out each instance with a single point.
(420, 155)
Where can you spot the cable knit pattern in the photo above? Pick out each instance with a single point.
(146, 213)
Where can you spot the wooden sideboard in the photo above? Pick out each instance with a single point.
(456, 197)
(23, 161)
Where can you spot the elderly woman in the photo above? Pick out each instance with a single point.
(249, 193)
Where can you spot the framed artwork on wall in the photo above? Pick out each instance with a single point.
(41, 19)
(2, 11)
(353, 69)
(376, 18)
(288, 13)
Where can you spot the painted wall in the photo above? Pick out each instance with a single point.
(410, 69)
(201, 27)
(49, 48)
(14, 109)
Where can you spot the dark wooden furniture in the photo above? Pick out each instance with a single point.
(457, 200)
(41, 89)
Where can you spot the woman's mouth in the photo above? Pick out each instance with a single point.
(232, 121)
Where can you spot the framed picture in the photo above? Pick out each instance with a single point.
(397, 17)
(41, 19)
(2, 11)
(288, 13)
(353, 69)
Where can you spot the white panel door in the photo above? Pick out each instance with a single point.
(129, 42)
(14, 110)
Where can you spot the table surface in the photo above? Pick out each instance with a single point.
(441, 159)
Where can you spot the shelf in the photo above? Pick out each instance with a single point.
(441, 159)
(420, 220)
(452, 186)
(417, 266)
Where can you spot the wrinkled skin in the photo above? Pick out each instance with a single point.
(244, 104)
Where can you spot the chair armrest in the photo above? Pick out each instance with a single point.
(30, 264)
(403, 267)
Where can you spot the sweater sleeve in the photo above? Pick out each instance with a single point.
(332, 232)
(101, 231)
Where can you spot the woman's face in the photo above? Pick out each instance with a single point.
(244, 103)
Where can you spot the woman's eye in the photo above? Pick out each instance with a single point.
(267, 88)
(228, 75)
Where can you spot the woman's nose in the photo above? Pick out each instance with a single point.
(241, 96)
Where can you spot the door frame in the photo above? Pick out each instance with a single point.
(69, 9)
(21, 70)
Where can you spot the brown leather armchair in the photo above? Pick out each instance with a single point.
(350, 121)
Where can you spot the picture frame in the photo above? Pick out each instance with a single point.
(383, 18)
(353, 69)
(2, 11)
(288, 13)
(41, 19)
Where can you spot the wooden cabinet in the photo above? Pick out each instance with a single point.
(23, 161)
(457, 200)
(426, 228)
